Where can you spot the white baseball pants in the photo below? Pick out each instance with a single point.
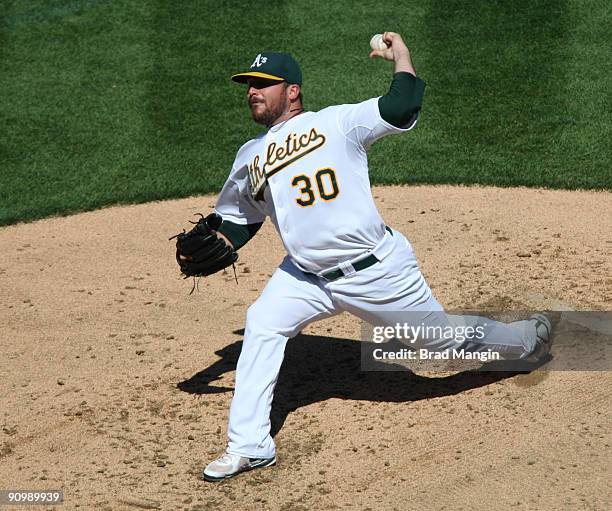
(293, 299)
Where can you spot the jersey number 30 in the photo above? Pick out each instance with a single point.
(327, 186)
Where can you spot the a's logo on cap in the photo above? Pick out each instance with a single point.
(259, 60)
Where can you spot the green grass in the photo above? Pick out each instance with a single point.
(116, 101)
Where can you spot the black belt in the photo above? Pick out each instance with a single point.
(362, 264)
(359, 265)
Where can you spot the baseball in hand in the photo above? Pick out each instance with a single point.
(377, 42)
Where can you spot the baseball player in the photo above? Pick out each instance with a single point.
(308, 172)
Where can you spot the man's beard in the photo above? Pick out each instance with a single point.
(269, 115)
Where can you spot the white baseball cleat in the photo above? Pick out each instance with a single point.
(230, 465)
(543, 338)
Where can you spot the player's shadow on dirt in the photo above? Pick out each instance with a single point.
(317, 368)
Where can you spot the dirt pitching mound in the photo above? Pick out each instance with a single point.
(116, 382)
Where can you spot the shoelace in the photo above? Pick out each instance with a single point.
(227, 458)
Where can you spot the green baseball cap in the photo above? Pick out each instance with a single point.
(272, 66)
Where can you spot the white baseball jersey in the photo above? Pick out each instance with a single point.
(310, 176)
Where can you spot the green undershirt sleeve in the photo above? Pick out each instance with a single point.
(403, 101)
(238, 234)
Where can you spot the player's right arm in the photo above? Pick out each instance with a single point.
(395, 112)
(401, 105)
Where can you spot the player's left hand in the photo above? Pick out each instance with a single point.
(202, 251)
